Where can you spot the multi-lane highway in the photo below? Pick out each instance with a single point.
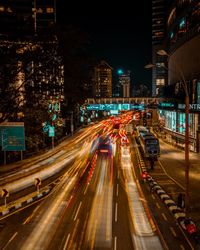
(100, 201)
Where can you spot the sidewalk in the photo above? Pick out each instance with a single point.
(194, 181)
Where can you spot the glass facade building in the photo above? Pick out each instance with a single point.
(173, 124)
(182, 46)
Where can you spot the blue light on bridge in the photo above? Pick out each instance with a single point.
(115, 106)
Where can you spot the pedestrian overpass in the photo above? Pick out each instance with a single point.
(122, 104)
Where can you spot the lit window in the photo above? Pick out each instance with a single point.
(160, 81)
(2, 8)
(49, 10)
(160, 65)
(159, 34)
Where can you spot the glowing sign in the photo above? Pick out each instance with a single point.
(51, 131)
(182, 23)
(167, 105)
(114, 106)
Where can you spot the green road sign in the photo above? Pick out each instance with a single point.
(51, 131)
(12, 136)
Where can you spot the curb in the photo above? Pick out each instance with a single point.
(178, 213)
(23, 204)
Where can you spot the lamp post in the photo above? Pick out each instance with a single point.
(72, 122)
(187, 142)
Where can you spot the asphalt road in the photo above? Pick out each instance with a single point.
(94, 207)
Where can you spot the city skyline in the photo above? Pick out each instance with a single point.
(121, 36)
(90, 158)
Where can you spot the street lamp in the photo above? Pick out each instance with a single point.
(187, 142)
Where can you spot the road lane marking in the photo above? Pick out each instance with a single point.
(158, 206)
(173, 232)
(116, 211)
(12, 238)
(115, 243)
(170, 176)
(83, 232)
(77, 211)
(153, 197)
(186, 238)
(93, 235)
(86, 189)
(118, 174)
(117, 189)
(27, 220)
(75, 228)
(31, 216)
(164, 216)
(66, 242)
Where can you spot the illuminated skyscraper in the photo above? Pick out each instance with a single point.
(159, 75)
(16, 18)
(124, 81)
(103, 80)
(28, 25)
(44, 15)
(20, 18)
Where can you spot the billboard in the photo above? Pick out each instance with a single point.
(12, 136)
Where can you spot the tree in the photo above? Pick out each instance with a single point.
(77, 64)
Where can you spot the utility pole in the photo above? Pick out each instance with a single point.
(187, 151)
(72, 123)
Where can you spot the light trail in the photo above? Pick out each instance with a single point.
(99, 228)
(143, 234)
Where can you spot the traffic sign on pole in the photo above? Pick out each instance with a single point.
(4, 193)
(38, 183)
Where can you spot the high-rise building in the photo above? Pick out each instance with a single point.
(124, 81)
(16, 18)
(28, 29)
(183, 63)
(44, 16)
(27, 17)
(103, 80)
(159, 73)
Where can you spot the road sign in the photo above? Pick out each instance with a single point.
(38, 182)
(12, 136)
(51, 131)
(4, 193)
(45, 126)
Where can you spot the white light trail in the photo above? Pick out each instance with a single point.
(143, 234)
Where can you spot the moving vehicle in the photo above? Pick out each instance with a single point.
(149, 145)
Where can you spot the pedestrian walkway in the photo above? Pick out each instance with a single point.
(194, 179)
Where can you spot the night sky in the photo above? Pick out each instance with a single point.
(119, 34)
